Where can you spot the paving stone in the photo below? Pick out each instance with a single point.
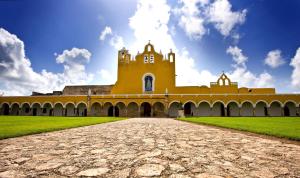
(176, 168)
(142, 147)
(11, 174)
(67, 170)
(149, 170)
(179, 176)
(206, 175)
(93, 172)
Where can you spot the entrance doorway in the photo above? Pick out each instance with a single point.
(286, 111)
(117, 112)
(34, 112)
(188, 109)
(111, 111)
(146, 110)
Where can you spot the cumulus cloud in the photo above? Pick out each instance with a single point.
(107, 31)
(74, 61)
(195, 15)
(190, 18)
(295, 63)
(115, 40)
(224, 19)
(274, 59)
(18, 77)
(157, 16)
(242, 75)
(237, 55)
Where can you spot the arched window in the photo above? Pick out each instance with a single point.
(148, 83)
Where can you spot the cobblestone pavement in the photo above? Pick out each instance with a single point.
(147, 147)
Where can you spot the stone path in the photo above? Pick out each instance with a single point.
(145, 147)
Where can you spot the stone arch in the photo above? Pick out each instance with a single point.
(289, 108)
(96, 109)
(70, 109)
(47, 102)
(80, 102)
(15, 109)
(81, 109)
(275, 109)
(4, 109)
(218, 109)
(120, 110)
(3, 104)
(246, 109)
(47, 109)
(25, 109)
(233, 109)
(158, 109)
(108, 109)
(175, 101)
(58, 109)
(132, 109)
(36, 109)
(261, 108)
(174, 107)
(146, 109)
(65, 105)
(190, 108)
(204, 108)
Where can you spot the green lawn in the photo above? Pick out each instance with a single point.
(13, 126)
(287, 127)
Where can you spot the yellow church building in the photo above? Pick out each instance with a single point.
(146, 87)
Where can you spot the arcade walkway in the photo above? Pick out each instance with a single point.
(144, 147)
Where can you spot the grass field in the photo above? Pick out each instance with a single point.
(286, 127)
(13, 126)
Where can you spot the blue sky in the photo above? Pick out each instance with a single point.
(45, 45)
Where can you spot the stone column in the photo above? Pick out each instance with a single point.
(225, 111)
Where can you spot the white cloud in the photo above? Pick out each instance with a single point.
(295, 63)
(107, 77)
(237, 55)
(190, 19)
(74, 61)
(194, 15)
(224, 19)
(18, 77)
(274, 59)
(107, 31)
(242, 75)
(115, 41)
(150, 22)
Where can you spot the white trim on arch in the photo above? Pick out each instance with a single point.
(33, 103)
(203, 101)
(174, 101)
(212, 104)
(253, 105)
(292, 101)
(263, 101)
(5, 103)
(191, 102)
(233, 101)
(43, 105)
(58, 103)
(11, 105)
(65, 105)
(21, 106)
(273, 101)
(78, 103)
(153, 82)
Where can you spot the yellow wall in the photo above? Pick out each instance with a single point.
(129, 87)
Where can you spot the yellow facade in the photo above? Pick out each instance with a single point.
(146, 86)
